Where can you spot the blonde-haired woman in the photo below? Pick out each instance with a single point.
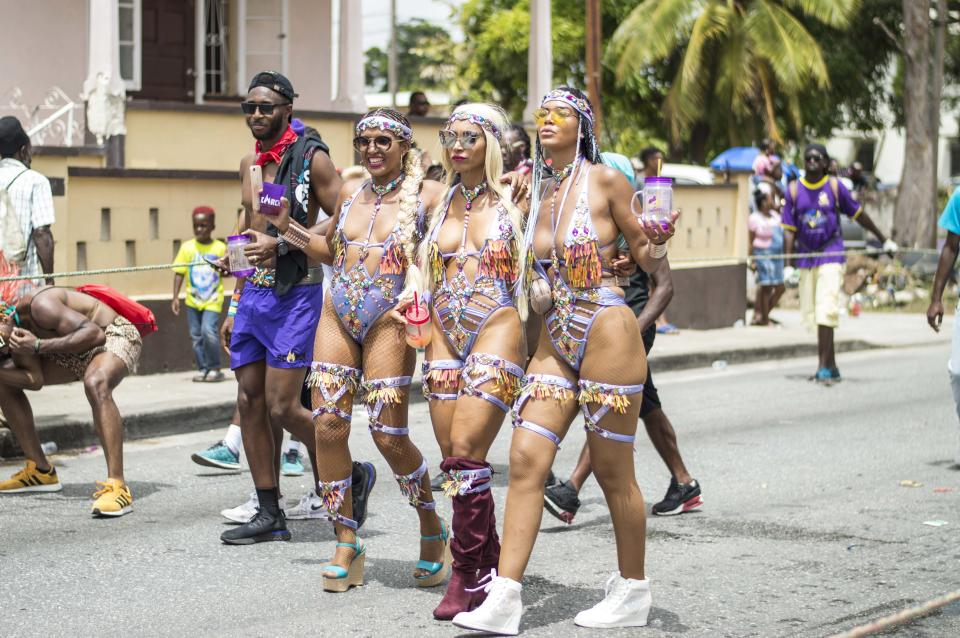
(360, 343)
(474, 360)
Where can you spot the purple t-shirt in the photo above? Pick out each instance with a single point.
(818, 196)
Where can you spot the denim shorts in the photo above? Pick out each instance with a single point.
(769, 271)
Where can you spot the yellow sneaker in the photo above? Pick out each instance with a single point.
(112, 499)
(30, 479)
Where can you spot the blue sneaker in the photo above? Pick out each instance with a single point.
(292, 465)
(827, 376)
(217, 455)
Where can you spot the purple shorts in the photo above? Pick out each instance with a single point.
(277, 329)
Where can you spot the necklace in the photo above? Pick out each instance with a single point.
(564, 173)
(473, 193)
(380, 191)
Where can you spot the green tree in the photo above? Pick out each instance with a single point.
(742, 62)
(493, 63)
(424, 58)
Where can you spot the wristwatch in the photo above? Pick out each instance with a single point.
(282, 246)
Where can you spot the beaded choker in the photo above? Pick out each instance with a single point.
(381, 191)
(565, 172)
(472, 193)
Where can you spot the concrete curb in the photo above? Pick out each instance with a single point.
(670, 363)
(71, 432)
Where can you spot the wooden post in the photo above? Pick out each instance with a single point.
(594, 38)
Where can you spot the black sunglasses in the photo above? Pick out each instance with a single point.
(381, 143)
(813, 158)
(265, 109)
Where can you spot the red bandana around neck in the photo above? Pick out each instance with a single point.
(273, 155)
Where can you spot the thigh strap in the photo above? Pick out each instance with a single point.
(333, 380)
(444, 373)
(379, 392)
(331, 495)
(410, 486)
(481, 367)
(463, 482)
(542, 387)
(607, 396)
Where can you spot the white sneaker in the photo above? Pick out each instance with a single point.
(626, 604)
(243, 513)
(500, 613)
(310, 506)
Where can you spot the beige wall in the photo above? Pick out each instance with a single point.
(712, 226)
(57, 166)
(129, 201)
(44, 45)
(209, 139)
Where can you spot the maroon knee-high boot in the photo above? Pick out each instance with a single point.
(475, 543)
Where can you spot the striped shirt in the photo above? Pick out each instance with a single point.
(33, 201)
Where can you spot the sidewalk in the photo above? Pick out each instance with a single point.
(698, 348)
(162, 404)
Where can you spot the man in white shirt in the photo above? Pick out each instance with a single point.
(31, 196)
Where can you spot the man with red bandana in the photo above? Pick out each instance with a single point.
(271, 330)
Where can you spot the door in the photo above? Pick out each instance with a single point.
(167, 57)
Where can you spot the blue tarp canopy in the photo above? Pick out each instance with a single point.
(738, 158)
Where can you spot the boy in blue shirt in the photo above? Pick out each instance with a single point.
(949, 221)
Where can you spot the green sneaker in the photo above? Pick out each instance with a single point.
(292, 465)
(217, 455)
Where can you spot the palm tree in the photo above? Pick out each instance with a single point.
(738, 58)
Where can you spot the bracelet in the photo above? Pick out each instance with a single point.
(297, 236)
(232, 310)
(36, 347)
(658, 250)
(236, 297)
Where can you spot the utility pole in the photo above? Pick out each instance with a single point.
(392, 58)
(936, 92)
(593, 62)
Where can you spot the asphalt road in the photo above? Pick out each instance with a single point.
(806, 529)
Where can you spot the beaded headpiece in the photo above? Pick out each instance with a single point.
(479, 120)
(578, 103)
(381, 123)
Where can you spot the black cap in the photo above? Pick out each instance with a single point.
(12, 136)
(274, 81)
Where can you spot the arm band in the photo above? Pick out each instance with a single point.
(657, 250)
(297, 236)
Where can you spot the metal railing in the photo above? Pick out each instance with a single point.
(58, 120)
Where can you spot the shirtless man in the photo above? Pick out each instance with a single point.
(271, 337)
(58, 335)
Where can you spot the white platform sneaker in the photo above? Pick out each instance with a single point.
(626, 604)
(500, 613)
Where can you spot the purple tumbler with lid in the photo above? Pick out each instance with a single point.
(239, 264)
(657, 199)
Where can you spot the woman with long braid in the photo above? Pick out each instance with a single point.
(474, 360)
(360, 343)
(590, 358)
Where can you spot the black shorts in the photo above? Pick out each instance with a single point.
(651, 399)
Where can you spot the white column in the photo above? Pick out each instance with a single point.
(103, 88)
(539, 56)
(350, 81)
(199, 51)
